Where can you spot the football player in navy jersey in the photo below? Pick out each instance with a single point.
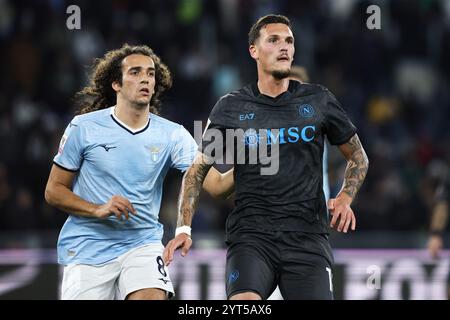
(277, 233)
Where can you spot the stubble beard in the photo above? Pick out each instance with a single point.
(281, 74)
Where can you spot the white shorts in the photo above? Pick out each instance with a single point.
(139, 268)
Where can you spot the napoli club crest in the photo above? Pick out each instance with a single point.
(306, 110)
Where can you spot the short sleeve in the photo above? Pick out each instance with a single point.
(184, 150)
(214, 128)
(71, 148)
(338, 127)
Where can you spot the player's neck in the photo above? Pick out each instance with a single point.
(272, 87)
(134, 117)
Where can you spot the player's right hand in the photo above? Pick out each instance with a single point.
(183, 241)
(118, 206)
(435, 246)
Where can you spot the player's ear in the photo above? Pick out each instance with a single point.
(253, 51)
(116, 86)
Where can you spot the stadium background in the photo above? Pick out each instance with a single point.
(393, 82)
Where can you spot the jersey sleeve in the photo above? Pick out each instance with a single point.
(215, 129)
(184, 150)
(71, 147)
(338, 127)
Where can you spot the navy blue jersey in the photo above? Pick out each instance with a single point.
(292, 199)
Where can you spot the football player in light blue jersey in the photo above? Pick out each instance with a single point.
(108, 175)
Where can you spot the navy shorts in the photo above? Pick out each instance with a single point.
(299, 263)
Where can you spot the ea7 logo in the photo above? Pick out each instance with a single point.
(247, 116)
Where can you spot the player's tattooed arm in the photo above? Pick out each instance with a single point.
(357, 166)
(187, 202)
(191, 187)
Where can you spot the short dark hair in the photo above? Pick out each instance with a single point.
(253, 34)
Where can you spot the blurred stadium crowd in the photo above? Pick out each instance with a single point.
(394, 84)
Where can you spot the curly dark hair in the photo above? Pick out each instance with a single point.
(108, 69)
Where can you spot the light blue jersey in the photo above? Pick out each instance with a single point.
(112, 159)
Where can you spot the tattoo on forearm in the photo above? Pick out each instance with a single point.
(190, 191)
(356, 168)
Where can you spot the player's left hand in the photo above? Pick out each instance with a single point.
(340, 210)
